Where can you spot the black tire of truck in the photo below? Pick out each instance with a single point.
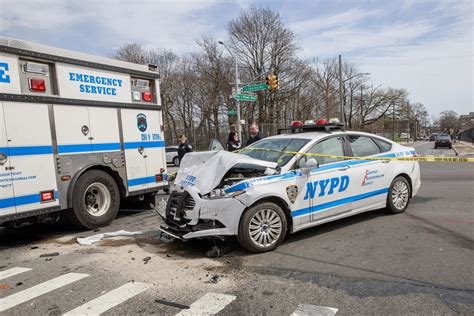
(95, 200)
(249, 217)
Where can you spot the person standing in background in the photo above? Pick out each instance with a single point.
(255, 134)
(233, 142)
(183, 147)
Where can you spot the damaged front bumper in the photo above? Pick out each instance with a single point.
(187, 215)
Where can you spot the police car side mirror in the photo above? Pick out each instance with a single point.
(310, 163)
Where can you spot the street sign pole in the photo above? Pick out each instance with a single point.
(239, 127)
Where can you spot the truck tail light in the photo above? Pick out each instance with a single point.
(47, 196)
(159, 178)
(147, 96)
(37, 84)
(136, 95)
(162, 128)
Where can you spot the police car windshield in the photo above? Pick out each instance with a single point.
(272, 149)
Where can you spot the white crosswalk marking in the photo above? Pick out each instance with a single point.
(11, 272)
(314, 310)
(209, 304)
(38, 290)
(107, 301)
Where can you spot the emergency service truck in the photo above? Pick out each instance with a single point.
(78, 133)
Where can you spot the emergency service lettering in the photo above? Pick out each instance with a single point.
(98, 84)
(326, 186)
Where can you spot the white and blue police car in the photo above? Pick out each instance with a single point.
(277, 186)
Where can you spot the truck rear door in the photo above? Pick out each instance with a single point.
(7, 200)
(30, 150)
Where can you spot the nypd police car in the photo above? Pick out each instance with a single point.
(308, 176)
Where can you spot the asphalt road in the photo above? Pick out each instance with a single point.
(418, 262)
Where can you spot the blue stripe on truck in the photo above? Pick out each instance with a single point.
(139, 181)
(153, 144)
(22, 200)
(27, 150)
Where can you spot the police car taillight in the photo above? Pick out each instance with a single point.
(47, 196)
(321, 122)
(147, 96)
(296, 123)
(37, 84)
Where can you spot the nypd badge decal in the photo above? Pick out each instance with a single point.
(141, 122)
(292, 192)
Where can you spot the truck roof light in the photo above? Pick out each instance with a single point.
(147, 96)
(36, 68)
(37, 84)
(142, 83)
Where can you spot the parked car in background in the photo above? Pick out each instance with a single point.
(433, 137)
(405, 136)
(443, 140)
(172, 155)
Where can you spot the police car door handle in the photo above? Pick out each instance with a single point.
(344, 168)
(385, 161)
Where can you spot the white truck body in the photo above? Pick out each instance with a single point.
(63, 113)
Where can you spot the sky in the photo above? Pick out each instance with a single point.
(423, 46)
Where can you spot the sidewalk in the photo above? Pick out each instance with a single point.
(464, 148)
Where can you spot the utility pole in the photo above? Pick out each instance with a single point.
(341, 96)
(393, 120)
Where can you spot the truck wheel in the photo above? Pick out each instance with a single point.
(95, 200)
(262, 227)
(398, 195)
(176, 161)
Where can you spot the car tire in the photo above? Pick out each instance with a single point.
(176, 161)
(95, 200)
(399, 195)
(435, 147)
(262, 227)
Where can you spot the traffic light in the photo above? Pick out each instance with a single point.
(272, 82)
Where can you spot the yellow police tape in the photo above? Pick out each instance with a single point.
(411, 158)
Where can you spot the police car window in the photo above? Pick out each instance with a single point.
(384, 146)
(272, 149)
(331, 146)
(362, 146)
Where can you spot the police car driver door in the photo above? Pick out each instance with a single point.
(329, 186)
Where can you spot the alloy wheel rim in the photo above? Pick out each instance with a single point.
(265, 227)
(97, 199)
(400, 194)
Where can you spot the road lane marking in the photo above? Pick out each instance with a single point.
(107, 301)
(11, 272)
(314, 310)
(209, 304)
(38, 290)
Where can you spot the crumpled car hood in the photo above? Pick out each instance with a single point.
(205, 170)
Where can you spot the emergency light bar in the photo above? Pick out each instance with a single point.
(306, 128)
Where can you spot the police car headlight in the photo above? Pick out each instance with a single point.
(220, 193)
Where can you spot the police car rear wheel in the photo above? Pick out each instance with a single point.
(95, 200)
(262, 227)
(398, 195)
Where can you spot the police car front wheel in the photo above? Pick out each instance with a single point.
(262, 227)
(398, 195)
(95, 200)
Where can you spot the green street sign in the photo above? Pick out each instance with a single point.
(232, 112)
(245, 97)
(257, 87)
